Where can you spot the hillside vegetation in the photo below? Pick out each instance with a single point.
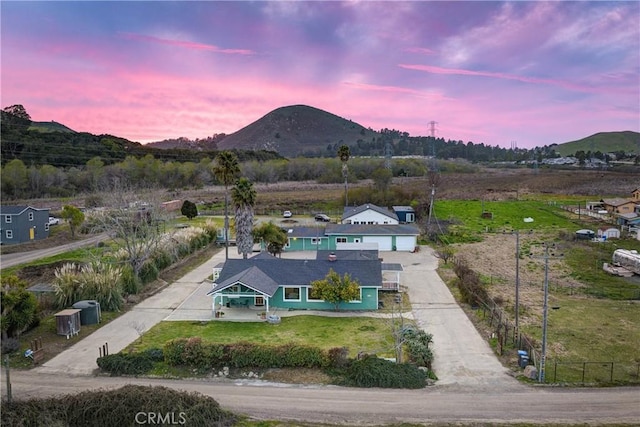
(605, 142)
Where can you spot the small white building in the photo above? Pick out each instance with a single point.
(369, 214)
(608, 233)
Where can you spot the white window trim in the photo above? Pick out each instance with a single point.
(30, 216)
(284, 294)
(341, 240)
(46, 227)
(309, 299)
(356, 301)
(9, 234)
(8, 219)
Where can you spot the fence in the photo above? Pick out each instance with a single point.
(556, 371)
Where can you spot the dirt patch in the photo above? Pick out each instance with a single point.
(297, 376)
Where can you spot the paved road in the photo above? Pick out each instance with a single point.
(10, 260)
(336, 405)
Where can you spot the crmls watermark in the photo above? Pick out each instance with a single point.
(157, 418)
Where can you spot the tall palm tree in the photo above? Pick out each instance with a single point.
(344, 153)
(226, 170)
(244, 199)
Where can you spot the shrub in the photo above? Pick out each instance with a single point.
(148, 273)
(125, 364)
(337, 357)
(117, 407)
(130, 284)
(162, 260)
(373, 372)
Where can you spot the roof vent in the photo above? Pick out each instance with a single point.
(332, 257)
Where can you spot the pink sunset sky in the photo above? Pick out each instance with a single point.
(533, 73)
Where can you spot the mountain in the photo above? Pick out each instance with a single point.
(209, 143)
(50, 127)
(297, 130)
(605, 142)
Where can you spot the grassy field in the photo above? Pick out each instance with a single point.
(466, 223)
(356, 333)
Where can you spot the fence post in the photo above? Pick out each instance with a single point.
(584, 368)
(611, 376)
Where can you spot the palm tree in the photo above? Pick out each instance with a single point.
(244, 199)
(344, 153)
(226, 171)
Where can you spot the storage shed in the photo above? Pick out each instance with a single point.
(608, 233)
(68, 322)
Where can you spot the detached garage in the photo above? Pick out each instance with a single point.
(402, 237)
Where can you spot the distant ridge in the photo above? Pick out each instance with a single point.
(605, 142)
(297, 130)
(50, 127)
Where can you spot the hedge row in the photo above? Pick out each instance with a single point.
(193, 352)
(371, 371)
(130, 364)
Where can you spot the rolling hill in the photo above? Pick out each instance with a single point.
(50, 127)
(605, 142)
(297, 130)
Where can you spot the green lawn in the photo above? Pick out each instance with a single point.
(367, 334)
(467, 223)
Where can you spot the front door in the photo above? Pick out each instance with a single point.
(32, 233)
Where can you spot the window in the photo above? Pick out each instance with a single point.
(30, 216)
(311, 296)
(46, 227)
(291, 294)
(9, 234)
(315, 241)
(7, 219)
(341, 240)
(359, 298)
(259, 301)
(235, 289)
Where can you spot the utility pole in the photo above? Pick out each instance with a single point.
(518, 286)
(545, 310)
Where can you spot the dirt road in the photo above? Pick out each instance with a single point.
(338, 405)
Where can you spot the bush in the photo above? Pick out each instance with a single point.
(117, 407)
(373, 372)
(148, 273)
(126, 364)
(337, 357)
(162, 260)
(130, 284)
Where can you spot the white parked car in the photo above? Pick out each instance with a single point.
(287, 214)
(53, 220)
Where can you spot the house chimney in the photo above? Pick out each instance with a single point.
(332, 257)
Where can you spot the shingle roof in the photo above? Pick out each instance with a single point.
(348, 254)
(350, 211)
(617, 202)
(305, 232)
(403, 209)
(16, 210)
(372, 229)
(266, 274)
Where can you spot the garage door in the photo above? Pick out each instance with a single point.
(384, 242)
(405, 243)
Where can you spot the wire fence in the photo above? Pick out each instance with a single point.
(556, 371)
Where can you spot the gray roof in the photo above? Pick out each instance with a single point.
(265, 273)
(372, 229)
(348, 254)
(350, 211)
(305, 231)
(403, 209)
(392, 266)
(17, 210)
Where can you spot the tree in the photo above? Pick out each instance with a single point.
(74, 216)
(244, 199)
(226, 170)
(336, 289)
(273, 237)
(189, 209)
(382, 179)
(344, 153)
(14, 177)
(15, 119)
(19, 306)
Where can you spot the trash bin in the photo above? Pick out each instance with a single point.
(523, 359)
(89, 311)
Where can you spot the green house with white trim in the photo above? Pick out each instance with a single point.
(272, 282)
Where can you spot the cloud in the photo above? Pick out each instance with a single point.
(461, 72)
(186, 44)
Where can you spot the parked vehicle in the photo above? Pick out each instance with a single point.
(53, 220)
(323, 217)
(287, 214)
